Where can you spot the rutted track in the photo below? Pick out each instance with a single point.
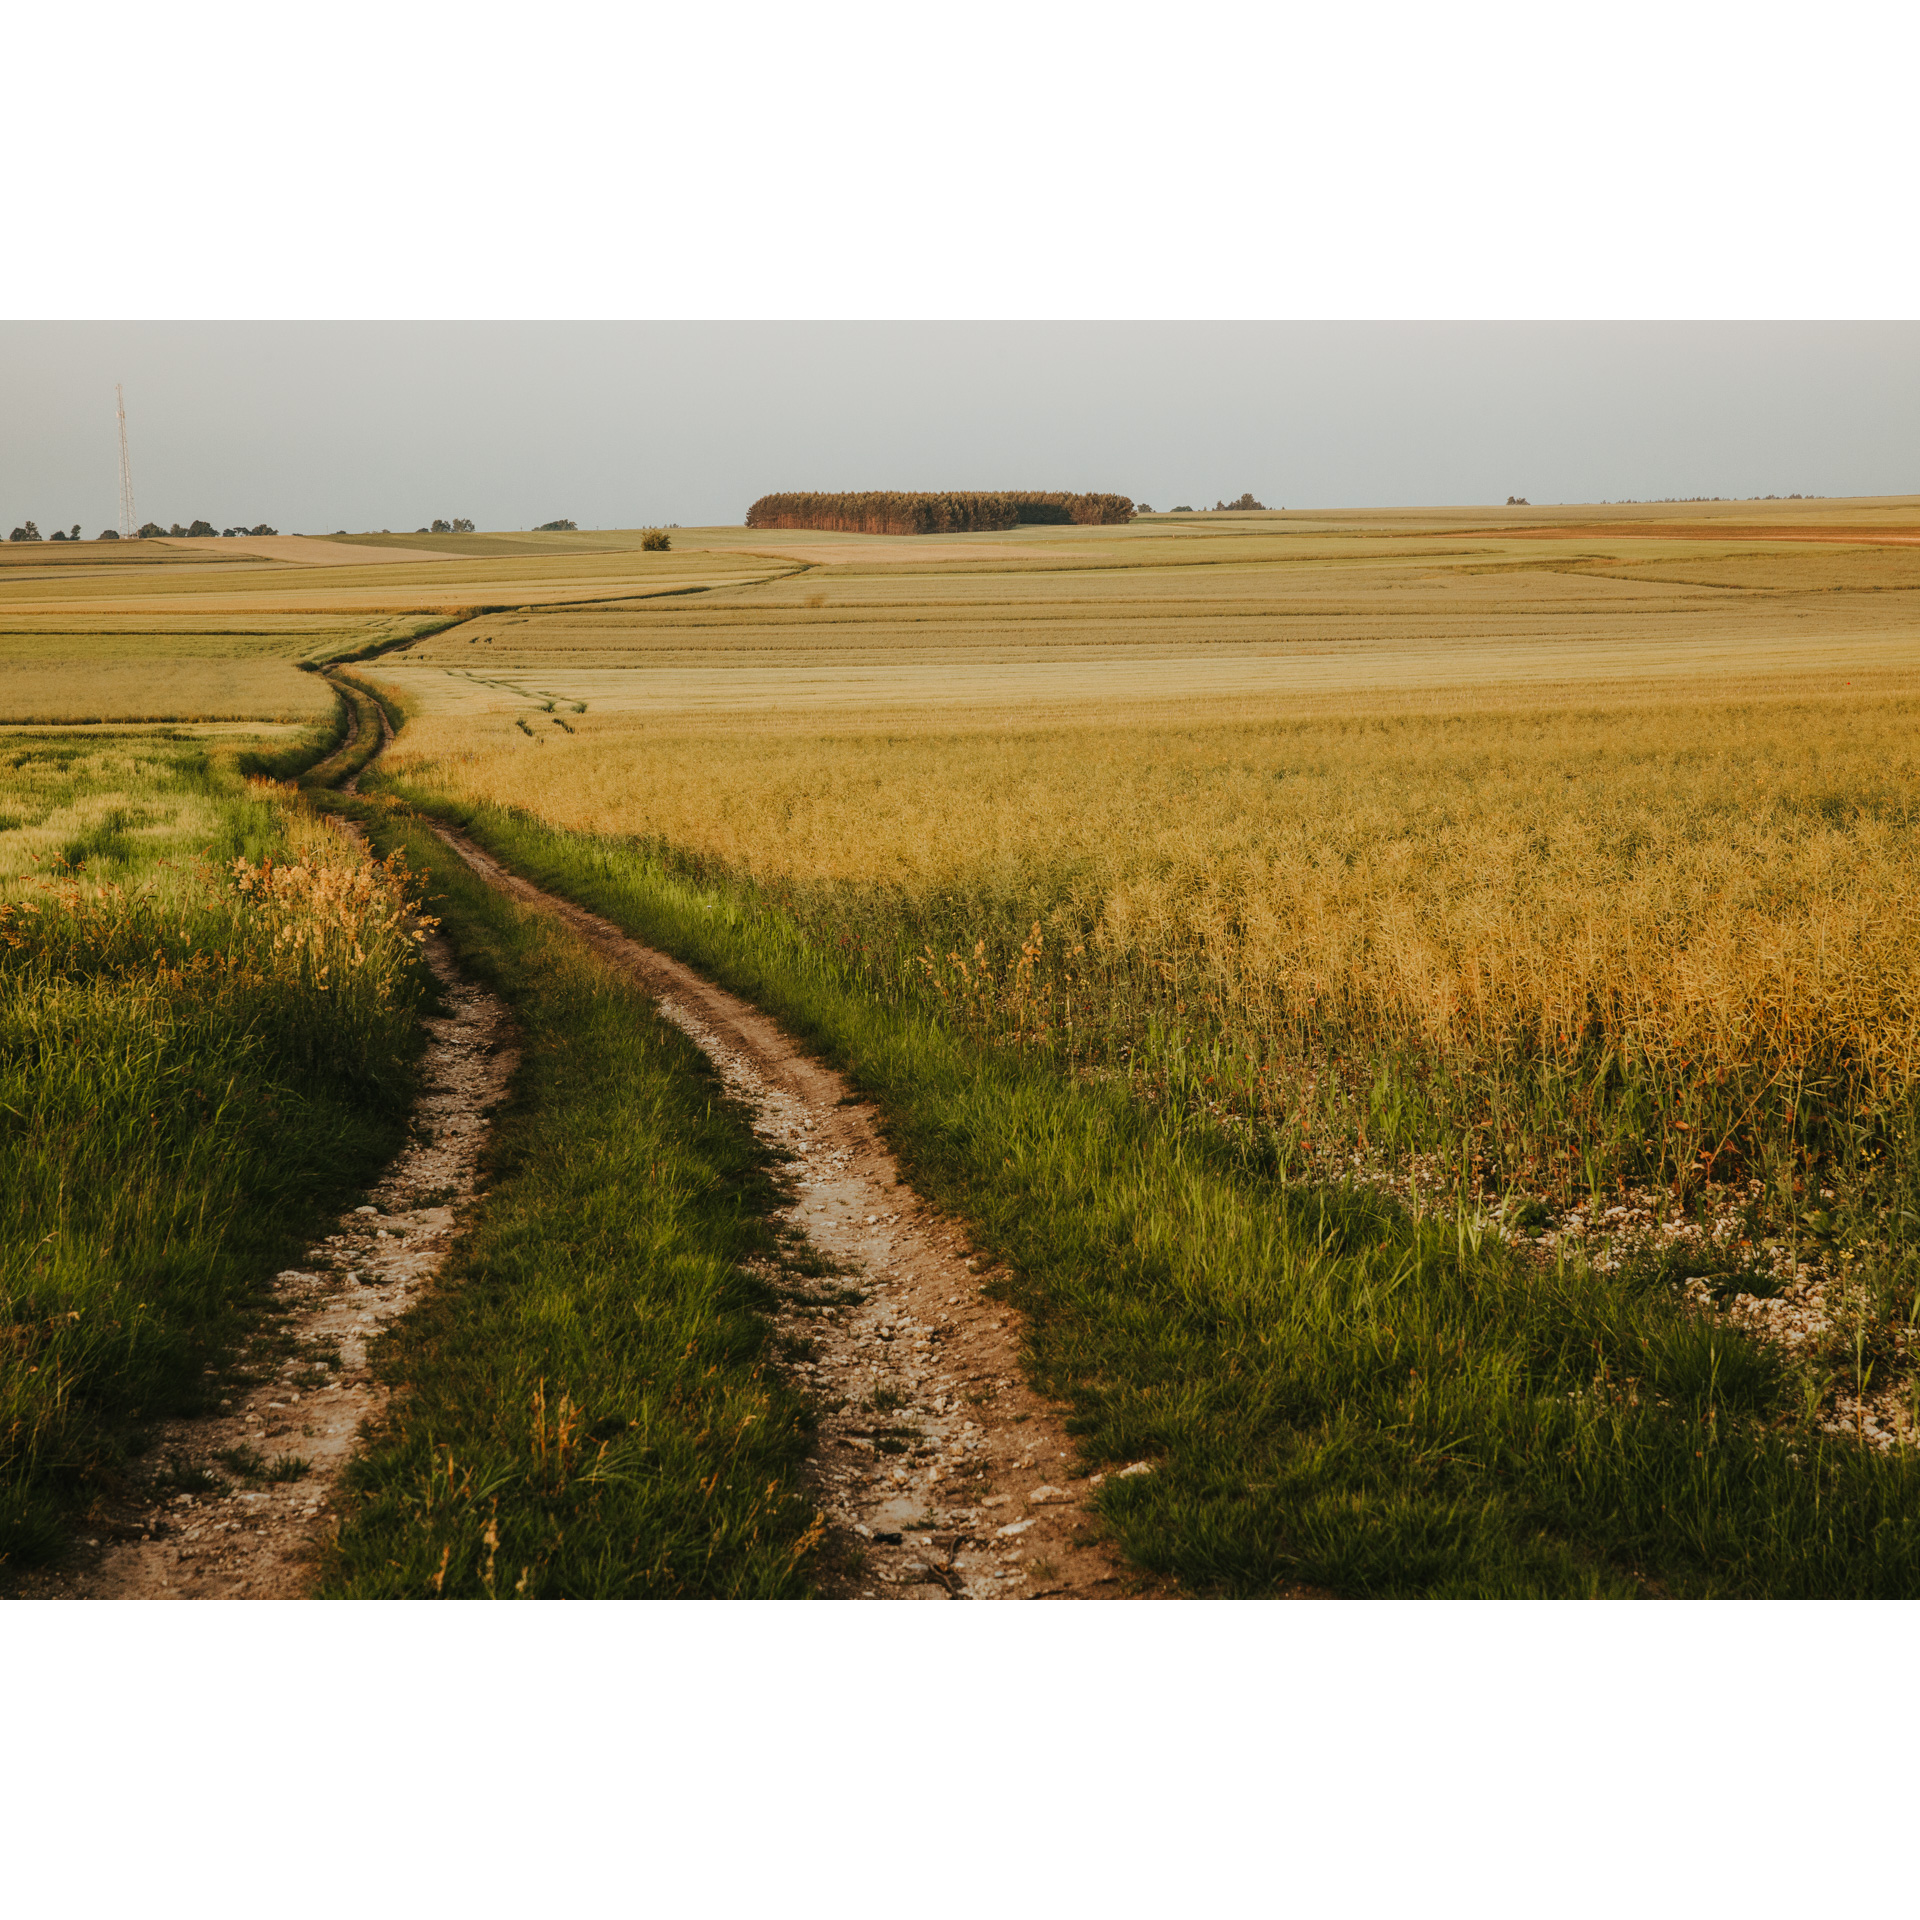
(942, 1471)
(946, 1473)
(939, 1471)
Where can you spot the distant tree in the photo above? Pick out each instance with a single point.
(1182, 509)
(463, 526)
(176, 531)
(260, 529)
(28, 532)
(110, 533)
(1143, 508)
(56, 534)
(557, 526)
(151, 531)
(654, 541)
(200, 530)
(440, 526)
(1516, 500)
(75, 534)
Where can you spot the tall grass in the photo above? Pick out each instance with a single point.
(1329, 1390)
(1675, 944)
(192, 1060)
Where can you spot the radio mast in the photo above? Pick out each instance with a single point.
(126, 468)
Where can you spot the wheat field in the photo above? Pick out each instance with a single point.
(1508, 785)
(1272, 791)
(1558, 865)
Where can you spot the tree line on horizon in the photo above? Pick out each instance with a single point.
(153, 530)
(883, 512)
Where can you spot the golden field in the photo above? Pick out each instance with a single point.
(1285, 782)
(192, 630)
(1502, 785)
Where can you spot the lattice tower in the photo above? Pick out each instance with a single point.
(127, 522)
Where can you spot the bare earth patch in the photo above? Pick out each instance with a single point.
(941, 1474)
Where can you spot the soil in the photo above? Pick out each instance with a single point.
(247, 1534)
(939, 1472)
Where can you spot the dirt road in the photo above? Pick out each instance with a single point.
(947, 1475)
(940, 1473)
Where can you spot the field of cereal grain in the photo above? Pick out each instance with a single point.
(1548, 873)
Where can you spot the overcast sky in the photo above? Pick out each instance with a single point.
(315, 426)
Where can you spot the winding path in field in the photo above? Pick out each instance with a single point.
(942, 1473)
(938, 1471)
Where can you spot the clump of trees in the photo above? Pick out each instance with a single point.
(937, 512)
(28, 532)
(558, 526)
(241, 533)
(449, 526)
(1516, 500)
(1245, 504)
(654, 540)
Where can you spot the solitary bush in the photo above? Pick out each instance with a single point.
(654, 541)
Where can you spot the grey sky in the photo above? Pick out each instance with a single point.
(313, 426)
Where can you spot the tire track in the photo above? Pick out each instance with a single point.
(940, 1471)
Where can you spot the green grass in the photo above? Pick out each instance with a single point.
(585, 1406)
(1331, 1392)
(179, 1108)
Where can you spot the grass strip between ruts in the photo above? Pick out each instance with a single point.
(584, 1407)
(1331, 1391)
